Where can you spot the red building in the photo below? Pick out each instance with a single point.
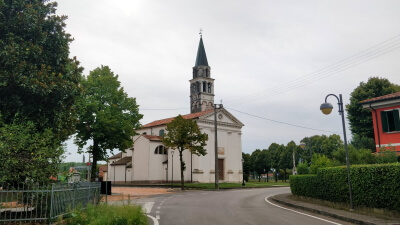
(386, 120)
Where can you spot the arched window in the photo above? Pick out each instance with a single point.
(204, 86)
(160, 150)
(209, 87)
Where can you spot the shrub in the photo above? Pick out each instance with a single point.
(386, 155)
(375, 186)
(302, 168)
(108, 215)
(319, 161)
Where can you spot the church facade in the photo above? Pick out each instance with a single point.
(149, 161)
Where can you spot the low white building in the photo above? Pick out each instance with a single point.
(149, 161)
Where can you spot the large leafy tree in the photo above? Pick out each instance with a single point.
(360, 119)
(320, 144)
(106, 115)
(184, 134)
(38, 80)
(39, 84)
(247, 167)
(27, 154)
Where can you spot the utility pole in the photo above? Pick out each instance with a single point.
(216, 146)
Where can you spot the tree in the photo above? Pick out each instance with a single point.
(286, 157)
(39, 85)
(319, 161)
(360, 142)
(257, 163)
(360, 119)
(184, 134)
(356, 156)
(320, 144)
(27, 154)
(274, 153)
(38, 80)
(106, 115)
(246, 165)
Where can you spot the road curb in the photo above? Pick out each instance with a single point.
(333, 215)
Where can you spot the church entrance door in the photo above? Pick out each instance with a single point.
(221, 169)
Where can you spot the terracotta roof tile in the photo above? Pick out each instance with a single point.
(119, 155)
(168, 120)
(153, 137)
(382, 98)
(123, 161)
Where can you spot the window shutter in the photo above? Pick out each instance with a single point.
(385, 125)
(396, 117)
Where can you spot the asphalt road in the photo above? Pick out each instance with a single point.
(244, 206)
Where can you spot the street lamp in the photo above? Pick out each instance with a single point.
(326, 109)
(172, 153)
(243, 184)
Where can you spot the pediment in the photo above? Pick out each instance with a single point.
(223, 117)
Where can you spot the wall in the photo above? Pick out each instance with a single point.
(392, 138)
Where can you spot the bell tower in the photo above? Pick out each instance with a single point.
(202, 85)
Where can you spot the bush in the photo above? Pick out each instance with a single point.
(386, 155)
(302, 168)
(375, 186)
(108, 215)
(319, 161)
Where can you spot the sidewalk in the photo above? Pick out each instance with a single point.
(125, 193)
(355, 217)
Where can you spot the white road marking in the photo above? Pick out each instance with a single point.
(155, 220)
(266, 199)
(148, 206)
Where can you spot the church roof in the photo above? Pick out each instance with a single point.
(123, 161)
(152, 137)
(168, 120)
(201, 59)
(117, 156)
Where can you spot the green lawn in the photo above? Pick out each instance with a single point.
(250, 184)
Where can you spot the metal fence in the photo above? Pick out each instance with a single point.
(34, 203)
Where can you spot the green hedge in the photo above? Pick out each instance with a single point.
(375, 186)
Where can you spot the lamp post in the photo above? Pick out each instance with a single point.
(326, 109)
(243, 184)
(172, 153)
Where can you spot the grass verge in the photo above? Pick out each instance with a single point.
(107, 215)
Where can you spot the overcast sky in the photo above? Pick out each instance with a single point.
(272, 59)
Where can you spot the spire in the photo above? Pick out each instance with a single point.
(201, 59)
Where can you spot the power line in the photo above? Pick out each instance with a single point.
(285, 123)
(164, 109)
(347, 63)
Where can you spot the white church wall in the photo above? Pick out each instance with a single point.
(118, 173)
(157, 171)
(141, 159)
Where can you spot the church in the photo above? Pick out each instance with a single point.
(149, 161)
